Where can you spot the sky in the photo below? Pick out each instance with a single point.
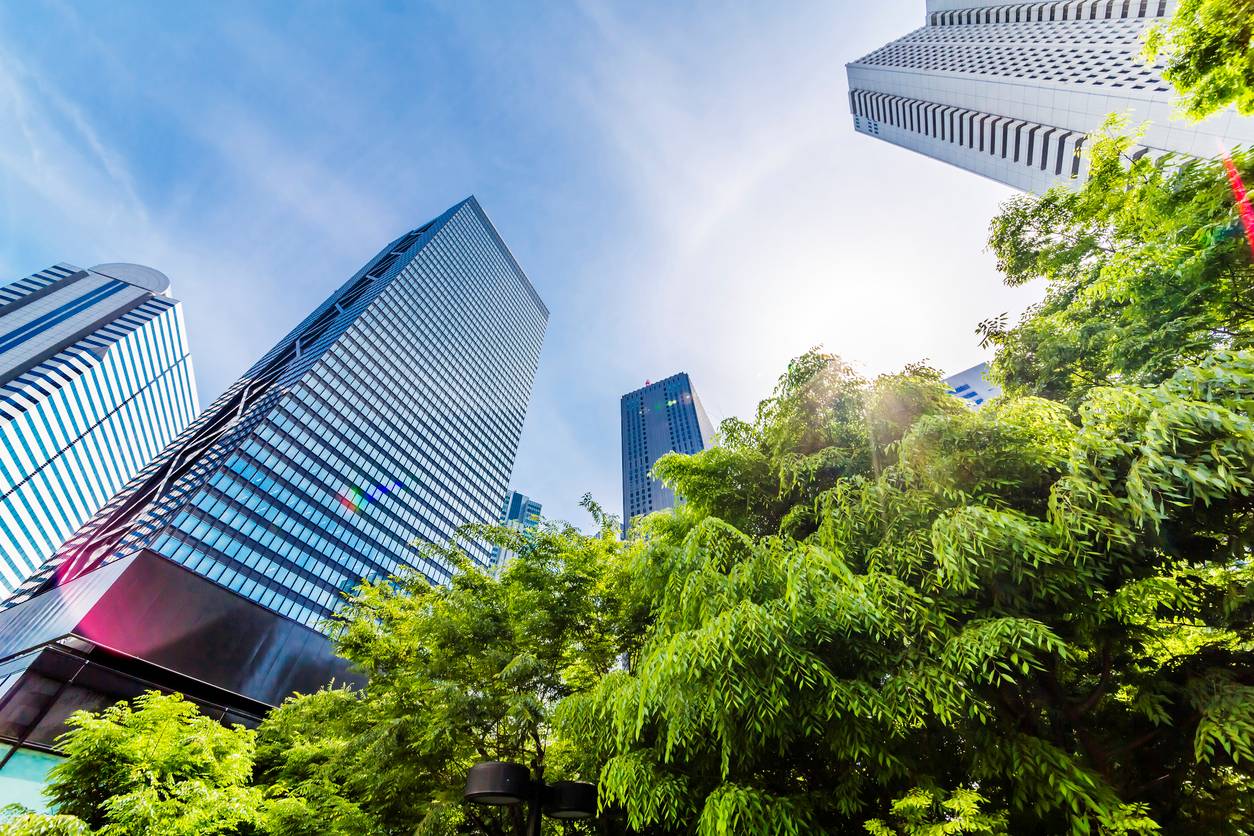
(682, 184)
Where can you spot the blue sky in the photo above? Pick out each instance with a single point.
(682, 184)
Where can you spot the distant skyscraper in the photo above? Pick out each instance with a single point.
(520, 512)
(662, 417)
(95, 379)
(390, 416)
(973, 386)
(1009, 90)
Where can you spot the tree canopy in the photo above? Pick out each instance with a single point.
(904, 617)
(157, 768)
(1208, 53)
(1022, 625)
(1146, 268)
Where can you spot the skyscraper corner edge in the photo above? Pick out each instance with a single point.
(474, 204)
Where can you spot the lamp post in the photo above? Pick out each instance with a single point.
(503, 784)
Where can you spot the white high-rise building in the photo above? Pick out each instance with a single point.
(95, 379)
(973, 386)
(1010, 90)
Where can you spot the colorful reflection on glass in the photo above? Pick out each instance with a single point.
(354, 499)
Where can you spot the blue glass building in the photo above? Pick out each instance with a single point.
(95, 379)
(657, 419)
(521, 512)
(388, 417)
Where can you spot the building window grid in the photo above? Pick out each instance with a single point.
(494, 341)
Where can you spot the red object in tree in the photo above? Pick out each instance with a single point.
(1243, 199)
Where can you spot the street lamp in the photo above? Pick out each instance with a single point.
(502, 784)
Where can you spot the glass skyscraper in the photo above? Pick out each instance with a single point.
(660, 418)
(389, 417)
(95, 379)
(521, 512)
(1011, 90)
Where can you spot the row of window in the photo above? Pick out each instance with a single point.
(334, 456)
(76, 412)
(496, 347)
(143, 355)
(427, 381)
(39, 515)
(391, 406)
(1014, 140)
(443, 353)
(1060, 64)
(1101, 38)
(35, 283)
(264, 534)
(1058, 10)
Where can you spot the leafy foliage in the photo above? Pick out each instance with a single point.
(22, 822)
(816, 428)
(159, 767)
(1146, 267)
(457, 674)
(1208, 48)
(1052, 637)
(923, 813)
(1029, 619)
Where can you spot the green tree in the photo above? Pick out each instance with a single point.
(814, 429)
(1208, 52)
(1146, 269)
(1030, 619)
(923, 813)
(1015, 623)
(461, 673)
(157, 767)
(22, 822)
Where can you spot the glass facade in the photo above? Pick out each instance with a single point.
(660, 418)
(95, 379)
(519, 511)
(389, 417)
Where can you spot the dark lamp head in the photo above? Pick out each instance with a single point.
(498, 783)
(571, 800)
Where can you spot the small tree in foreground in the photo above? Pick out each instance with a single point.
(157, 767)
(461, 673)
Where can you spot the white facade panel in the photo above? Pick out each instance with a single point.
(973, 386)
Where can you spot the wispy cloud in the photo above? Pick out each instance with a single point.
(231, 241)
(682, 183)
